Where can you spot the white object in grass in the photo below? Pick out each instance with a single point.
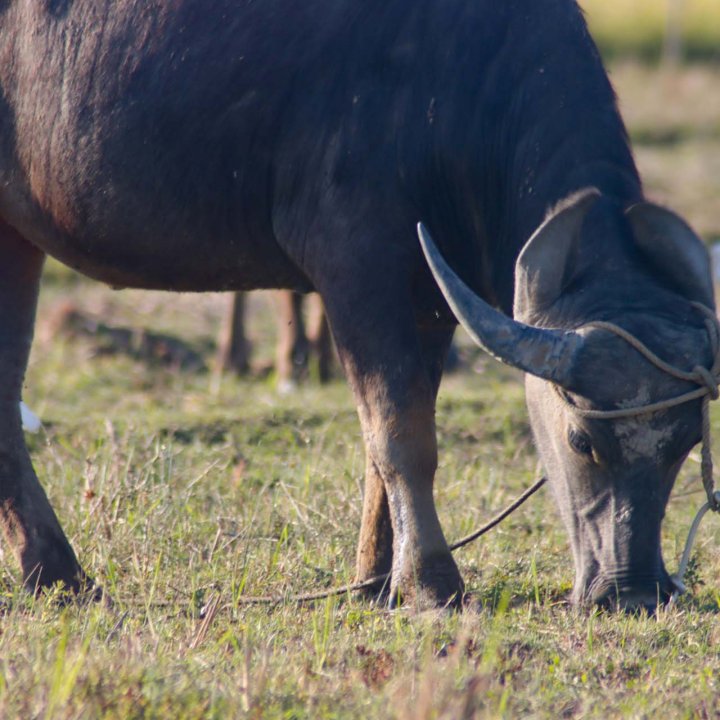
(30, 421)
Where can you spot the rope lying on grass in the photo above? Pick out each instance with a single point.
(378, 579)
(213, 605)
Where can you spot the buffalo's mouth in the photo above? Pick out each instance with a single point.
(633, 596)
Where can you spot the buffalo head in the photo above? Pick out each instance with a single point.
(642, 269)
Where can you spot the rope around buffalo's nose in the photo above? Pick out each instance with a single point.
(709, 382)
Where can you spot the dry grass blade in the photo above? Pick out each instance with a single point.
(208, 614)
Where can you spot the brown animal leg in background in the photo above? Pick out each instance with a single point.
(320, 337)
(292, 344)
(29, 523)
(234, 350)
(382, 353)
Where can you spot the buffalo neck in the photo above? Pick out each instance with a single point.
(539, 121)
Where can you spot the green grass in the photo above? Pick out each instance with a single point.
(181, 491)
(171, 504)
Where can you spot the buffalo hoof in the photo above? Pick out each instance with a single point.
(82, 591)
(87, 594)
(436, 584)
(91, 593)
(60, 572)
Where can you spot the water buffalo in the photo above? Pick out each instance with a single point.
(203, 145)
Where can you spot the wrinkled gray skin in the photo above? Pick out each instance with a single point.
(611, 478)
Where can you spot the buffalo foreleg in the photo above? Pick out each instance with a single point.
(383, 354)
(28, 521)
(374, 555)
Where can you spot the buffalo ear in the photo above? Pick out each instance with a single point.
(673, 249)
(547, 262)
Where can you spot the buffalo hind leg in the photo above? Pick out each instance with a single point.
(234, 347)
(374, 551)
(291, 354)
(28, 522)
(381, 351)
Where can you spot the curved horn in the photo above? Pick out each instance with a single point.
(548, 354)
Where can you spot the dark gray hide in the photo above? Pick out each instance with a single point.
(206, 145)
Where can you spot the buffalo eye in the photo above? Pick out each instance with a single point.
(580, 442)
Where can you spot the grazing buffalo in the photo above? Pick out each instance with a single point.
(207, 144)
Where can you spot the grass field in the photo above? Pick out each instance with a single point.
(181, 491)
(639, 27)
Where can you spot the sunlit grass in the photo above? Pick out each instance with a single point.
(639, 27)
